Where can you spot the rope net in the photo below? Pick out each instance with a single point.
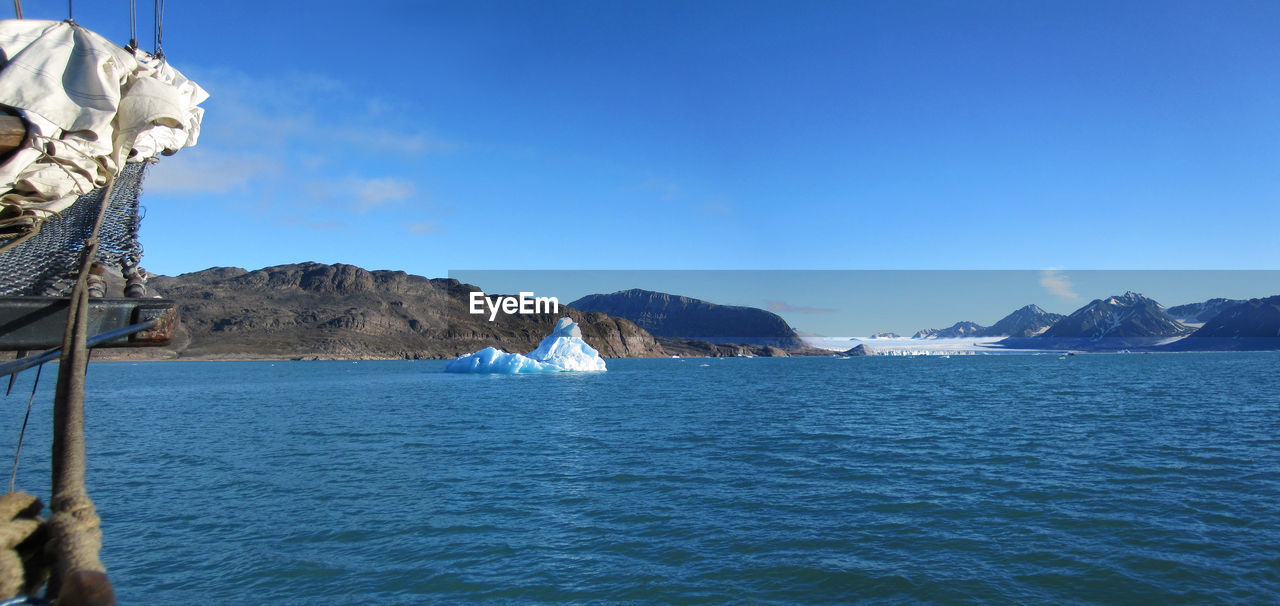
(46, 263)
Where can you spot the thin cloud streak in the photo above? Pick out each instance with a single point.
(784, 307)
(716, 209)
(1058, 284)
(370, 194)
(312, 224)
(205, 171)
(282, 138)
(422, 228)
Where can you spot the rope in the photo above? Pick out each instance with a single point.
(13, 475)
(17, 8)
(14, 377)
(23, 238)
(23, 568)
(133, 24)
(76, 532)
(159, 50)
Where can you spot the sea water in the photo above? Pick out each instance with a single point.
(1032, 479)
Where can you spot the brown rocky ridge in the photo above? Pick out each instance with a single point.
(318, 311)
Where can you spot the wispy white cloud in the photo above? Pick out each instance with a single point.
(299, 108)
(664, 189)
(313, 224)
(392, 141)
(205, 171)
(784, 307)
(422, 228)
(715, 209)
(369, 194)
(1058, 284)
(684, 198)
(287, 136)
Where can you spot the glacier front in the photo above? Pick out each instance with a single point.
(562, 351)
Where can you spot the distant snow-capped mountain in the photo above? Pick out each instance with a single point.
(1125, 316)
(1255, 318)
(1248, 325)
(955, 331)
(1199, 313)
(1024, 322)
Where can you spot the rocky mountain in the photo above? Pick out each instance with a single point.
(860, 350)
(312, 310)
(666, 315)
(1025, 322)
(1126, 316)
(702, 349)
(1199, 313)
(1127, 321)
(955, 331)
(886, 335)
(1252, 324)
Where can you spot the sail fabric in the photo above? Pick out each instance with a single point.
(90, 107)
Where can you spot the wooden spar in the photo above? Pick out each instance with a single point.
(12, 133)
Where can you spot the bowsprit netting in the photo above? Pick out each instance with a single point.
(45, 265)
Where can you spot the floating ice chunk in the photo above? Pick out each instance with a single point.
(493, 360)
(563, 350)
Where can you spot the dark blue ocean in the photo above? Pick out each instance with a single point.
(1125, 479)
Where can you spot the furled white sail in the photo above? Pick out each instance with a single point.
(90, 106)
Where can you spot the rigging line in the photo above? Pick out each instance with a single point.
(133, 23)
(14, 377)
(13, 475)
(23, 238)
(159, 49)
(17, 8)
(71, 11)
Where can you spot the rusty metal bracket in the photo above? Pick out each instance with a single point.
(35, 323)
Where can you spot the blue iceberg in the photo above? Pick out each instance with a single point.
(562, 351)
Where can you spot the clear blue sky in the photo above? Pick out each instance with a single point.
(432, 136)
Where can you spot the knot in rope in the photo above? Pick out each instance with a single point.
(23, 535)
(76, 535)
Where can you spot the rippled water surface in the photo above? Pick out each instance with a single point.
(1034, 479)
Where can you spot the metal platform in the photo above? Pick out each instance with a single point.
(36, 323)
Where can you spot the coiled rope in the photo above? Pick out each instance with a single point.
(23, 568)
